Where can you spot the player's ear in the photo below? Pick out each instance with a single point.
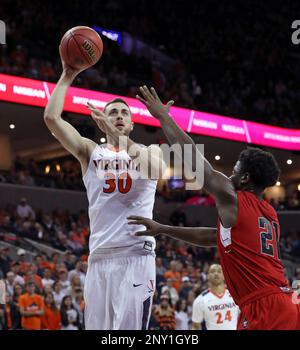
(245, 178)
(132, 125)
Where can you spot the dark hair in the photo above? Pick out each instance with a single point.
(261, 166)
(63, 306)
(52, 305)
(178, 305)
(116, 100)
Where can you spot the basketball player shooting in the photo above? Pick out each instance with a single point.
(120, 280)
(247, 232)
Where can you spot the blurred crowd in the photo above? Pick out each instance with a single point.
(55, 282)
(61, 174)
(232, 59)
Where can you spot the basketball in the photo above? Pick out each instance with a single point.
(81, 47)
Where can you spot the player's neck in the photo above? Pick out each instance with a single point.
(218, 289)
(113, 144)
(257, 192)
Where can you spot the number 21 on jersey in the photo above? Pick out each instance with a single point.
(269, 237)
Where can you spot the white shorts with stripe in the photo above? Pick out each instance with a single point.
(118, 292)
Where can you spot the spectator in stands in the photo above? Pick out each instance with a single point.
(185, 287)
(69, 315)
(160, 268)
(51, 319)
(189, 301)
(77, 235)
(58, 293)
(40, 264)
(174, 274)
(77, 271)
(293, 202)
(164, 314)
(24, 210)
(171, 291)
(79, 304)
(18, 291)
(15, 268)
(191, 271)
(10, 282)
(24, 178)
(160, 271)
(54, 261)
(3, 320)
(75, 284)
(182, 319)
(12, 313)
(24, 264)
(67, 259)
(47, 278)
(31, 308)
(48, 223)
(5, 261)
(63, 279)
(31, 276)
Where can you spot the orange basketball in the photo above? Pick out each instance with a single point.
(81, 47)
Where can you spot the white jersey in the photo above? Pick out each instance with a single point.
(113, 196)
(218, 312)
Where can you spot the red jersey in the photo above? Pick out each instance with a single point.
(249, 251)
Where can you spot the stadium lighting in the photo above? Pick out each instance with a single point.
(47, 169)
(217, 157)
(12, 126)
(289, 162)
(109, 34)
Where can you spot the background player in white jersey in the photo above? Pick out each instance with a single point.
(215, 306)
(121, 274)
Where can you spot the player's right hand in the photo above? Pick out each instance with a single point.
(153, 228)
(151, 100)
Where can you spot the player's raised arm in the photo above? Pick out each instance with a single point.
(66, 134)
(200, 236)
(219, 185)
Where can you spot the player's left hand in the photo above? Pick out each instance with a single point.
(153, 228)
(102, 122)
(151, 100)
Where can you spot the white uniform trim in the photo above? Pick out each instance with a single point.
(225, 235)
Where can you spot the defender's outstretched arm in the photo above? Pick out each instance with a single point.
(219, 185)
(200, 236)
